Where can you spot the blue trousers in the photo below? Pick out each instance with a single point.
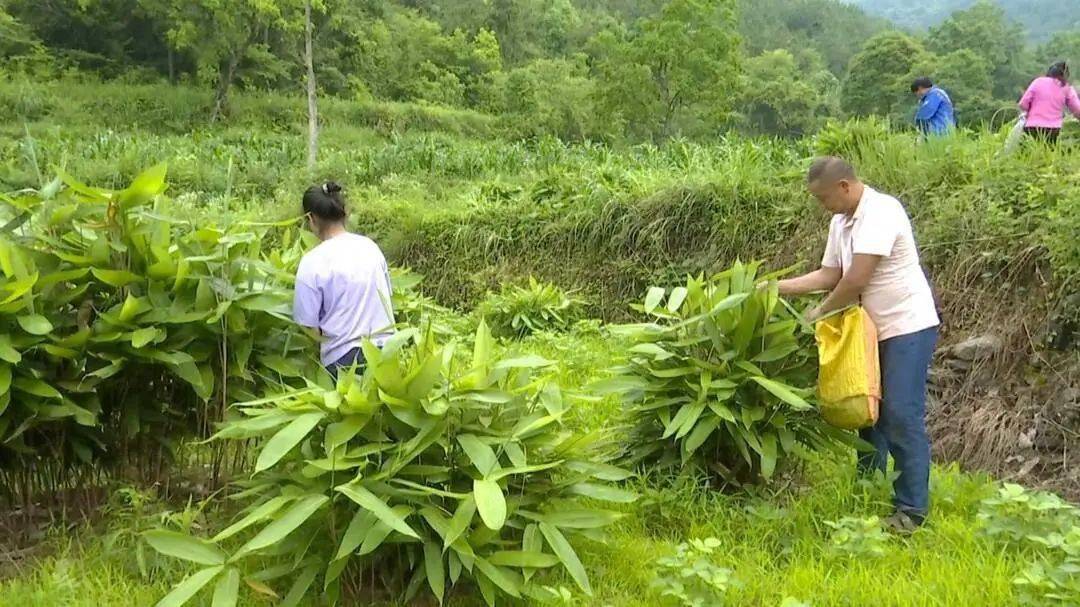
(901, 426)
(354, 356)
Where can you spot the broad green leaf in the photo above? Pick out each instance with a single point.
(479, 453)
(301, 585)
(784, 393)
(35, 324)
(701, 433)
(189, 587)
(653, 298)
(729, 302)
(143, 337)
(257, 515)
(562, 548)
(115, 278)
(58, 277)
(144, 188)
(185, 547)
(491, 503)
(776, 353)
(371, 502)
(505, 472)
(678, 296)
(576, 519)
(532, 541)
(7, 352)
(36, 387)
(688, 413)
(133, 306)
(287, 523)
(461, 520)
(523, 559)
(604, 472)
(605, 493)
(287, 438)
(436, 571)
(508, 581)
(768, 454)
(524, 362)
(374, 538)
(5, 379)
(355, 533)
(227, 590)
(340, 433)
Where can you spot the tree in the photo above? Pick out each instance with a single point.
(312, 97)
(221, 36)
(834, 30)
(552, 97)
(985, 30)
(108, 37)
(782, 97)
(1062, 47)
(877, 81)
(676, 71)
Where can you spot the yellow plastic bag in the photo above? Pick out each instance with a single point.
(849, 381)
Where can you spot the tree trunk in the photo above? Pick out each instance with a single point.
(226, 73)
(312, 99)
(172, 65)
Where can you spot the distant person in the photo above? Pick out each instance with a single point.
(342, 285)
(1045, 103)
(871, 258)
(935, 115)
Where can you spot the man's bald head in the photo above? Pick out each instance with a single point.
(835, 184)
(830, 169)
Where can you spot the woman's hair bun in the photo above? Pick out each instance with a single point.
(325, 201)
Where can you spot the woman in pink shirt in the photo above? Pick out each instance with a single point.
(1045, 103)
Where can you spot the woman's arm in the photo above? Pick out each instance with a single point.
(1073, 101)
(822, 279)
(1029, 96)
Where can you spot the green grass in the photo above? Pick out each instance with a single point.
(776, 541)
(472, 211)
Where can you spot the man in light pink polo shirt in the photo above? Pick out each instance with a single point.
(871, 258)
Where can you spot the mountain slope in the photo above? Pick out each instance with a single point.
(1041, 18)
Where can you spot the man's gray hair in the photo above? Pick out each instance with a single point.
(830, 169)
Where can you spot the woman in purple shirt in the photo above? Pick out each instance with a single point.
(1045, 102)
(342, 285)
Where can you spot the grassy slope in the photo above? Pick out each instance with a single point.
(777, 544)
(472, 212)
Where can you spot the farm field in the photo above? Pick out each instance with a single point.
(195, 256)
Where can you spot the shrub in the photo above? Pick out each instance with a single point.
(859, 538)
(690, 576)
(846, 139)
(719, 380)
(517, 312)
(1045, 525)
(120, 327)
(430, 468)
(1018, 515)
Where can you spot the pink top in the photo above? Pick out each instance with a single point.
(1045, 102)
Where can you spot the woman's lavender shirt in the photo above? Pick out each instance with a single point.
(343, 289)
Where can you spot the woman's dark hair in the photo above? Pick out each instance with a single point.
(921, 83)
(325, 202)
(1060, 71)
